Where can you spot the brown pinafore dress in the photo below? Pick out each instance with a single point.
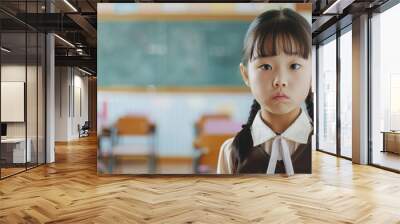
(257, 160)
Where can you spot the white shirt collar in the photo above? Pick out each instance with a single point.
(298, 131)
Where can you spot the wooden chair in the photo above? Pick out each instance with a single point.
(134, 126)
(210, 145)
(214, 133)
(198, 128)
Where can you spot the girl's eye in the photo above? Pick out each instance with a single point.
(295, 66)
(265, 67)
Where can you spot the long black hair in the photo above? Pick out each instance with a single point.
(270, 33)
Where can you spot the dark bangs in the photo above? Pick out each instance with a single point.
(275, 32)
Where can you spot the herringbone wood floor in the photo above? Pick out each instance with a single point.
(70, 191)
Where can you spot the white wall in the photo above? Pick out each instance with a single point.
(70, 84)
(81, 89)
(61, 103)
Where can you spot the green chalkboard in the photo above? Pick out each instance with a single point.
(170, 53)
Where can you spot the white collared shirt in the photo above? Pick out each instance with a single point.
(297, 133)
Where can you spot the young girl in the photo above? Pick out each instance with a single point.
(276, 65)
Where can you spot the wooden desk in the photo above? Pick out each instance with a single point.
(391, 141)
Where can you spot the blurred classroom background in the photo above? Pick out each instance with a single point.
(169, 88)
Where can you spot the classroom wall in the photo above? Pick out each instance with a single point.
(71, 102)
(174, 114)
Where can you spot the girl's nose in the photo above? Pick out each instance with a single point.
(279, 83)
(280, 79)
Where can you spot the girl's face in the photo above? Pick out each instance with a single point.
(279, 83)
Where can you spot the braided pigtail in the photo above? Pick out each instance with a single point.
(243, 141)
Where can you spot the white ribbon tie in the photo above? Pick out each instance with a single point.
(280, 148)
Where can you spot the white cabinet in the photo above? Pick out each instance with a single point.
(18, 149)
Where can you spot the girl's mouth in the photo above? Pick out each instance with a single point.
(280, 97)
